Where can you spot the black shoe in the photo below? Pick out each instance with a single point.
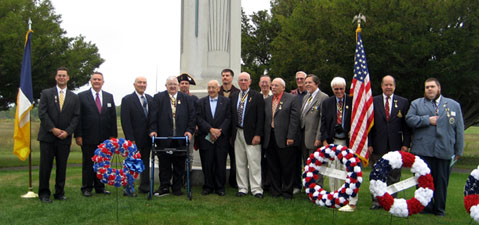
(61, 198)
(161, 193)
(45, 200)
(374, 207)
(87, 194)
(105, 192)
(220, 193)
(178, 193)
(206, 192)
(143, 191)
(259, 195)
(240, 194)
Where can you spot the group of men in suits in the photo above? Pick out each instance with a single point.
(268, 131)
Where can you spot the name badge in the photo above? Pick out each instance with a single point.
(453, 113)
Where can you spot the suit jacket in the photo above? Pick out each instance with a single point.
(444, 139)
(222, 118)
(395, 131)
(329, 116)
(311, 118)
(95, 127)
(161, 117)
(286, 120)
(51, 116)
(134, 122)
(253, 120)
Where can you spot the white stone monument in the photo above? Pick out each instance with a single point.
(210, 39)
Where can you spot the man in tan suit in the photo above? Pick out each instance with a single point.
(311, 119)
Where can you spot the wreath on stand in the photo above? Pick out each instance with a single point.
(132, 166)
(471, 194)
(422, 174)
(347, 191)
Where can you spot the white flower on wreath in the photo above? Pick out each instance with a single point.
(394, 158)
(475, 213)
(399, 208)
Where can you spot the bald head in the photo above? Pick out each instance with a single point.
(140, 85)
(213, 88)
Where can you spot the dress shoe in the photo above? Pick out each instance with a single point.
(105, 192)
(240, 194)
(220, 193)
(178, 193)
(374, 207)
(347, 208)
(161, 193)
(61, 198)
(45, 200)
(87, 194)
(259, 195)
(206, 192)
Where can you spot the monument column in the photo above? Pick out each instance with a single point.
(210, 39)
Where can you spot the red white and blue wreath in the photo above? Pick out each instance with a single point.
(347, 191)
(132, 165)
(471, 194)
(422, 174)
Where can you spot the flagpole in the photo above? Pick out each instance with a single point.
(30, 193)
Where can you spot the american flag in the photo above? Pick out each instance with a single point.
(362, 115)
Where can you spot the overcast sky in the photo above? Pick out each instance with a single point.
(140, 38)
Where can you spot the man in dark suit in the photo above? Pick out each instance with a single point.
(248, 120)
(281, 125)
(97, 124)
(228, 90)
(173, 115)
(335, 126)
(390, 131)
(135, 125)
(214, 127)
(59, 112)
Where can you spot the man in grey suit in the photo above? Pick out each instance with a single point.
(59, 112)
(438, 138)
(311, 119)
(281, 125)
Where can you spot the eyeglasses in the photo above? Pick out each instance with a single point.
(338, 89)
(299, 78)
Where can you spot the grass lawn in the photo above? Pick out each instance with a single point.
(211, 209)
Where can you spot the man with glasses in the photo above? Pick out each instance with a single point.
(300, 92)
(335, 126)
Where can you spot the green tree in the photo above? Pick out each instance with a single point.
(409, 39)
(50, 49)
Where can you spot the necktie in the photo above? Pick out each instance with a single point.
(145, 105)
(173, 110)
(339, 116)
(62, 99)
(273, 110)
(98, 102)
(241, 108)
(435, 107)
(307, 103)
(386, 107)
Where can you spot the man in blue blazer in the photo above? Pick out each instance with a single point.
(59, 112)
(438, 138)
(390, 131)
(97, 124)
(214, 123)
(173, 115)
(135, 125)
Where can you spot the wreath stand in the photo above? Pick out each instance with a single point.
(156, 149)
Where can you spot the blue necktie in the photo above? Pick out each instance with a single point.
(144, 104)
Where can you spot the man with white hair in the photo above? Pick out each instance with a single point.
(335, 126)
(281, 125)
(173, 114)
(299, 92)
(248, 118)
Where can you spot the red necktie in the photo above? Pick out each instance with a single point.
(387, 108)
(98, 102)
(339, 116)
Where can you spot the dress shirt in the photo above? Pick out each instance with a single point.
(100, 95)
(213, 103)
